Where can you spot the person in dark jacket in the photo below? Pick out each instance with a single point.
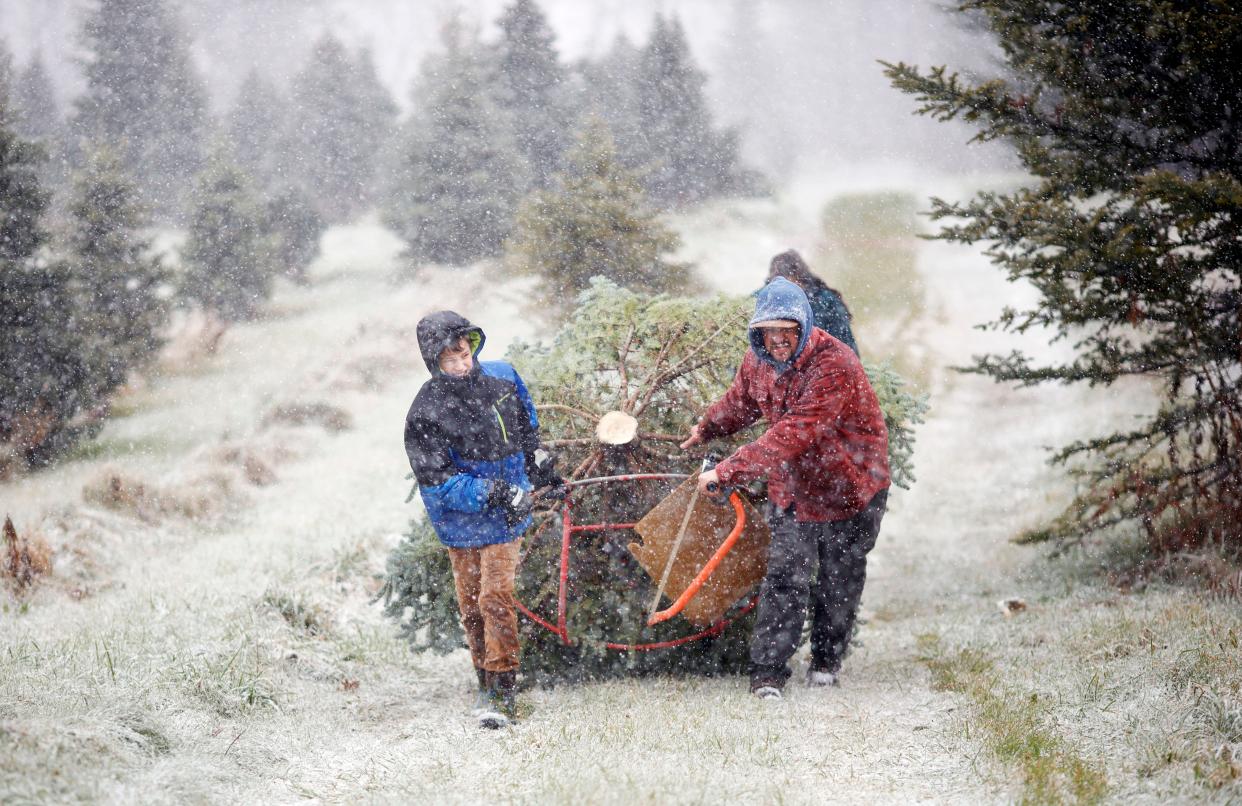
(828, 308)
(825, 457)
(472, 437)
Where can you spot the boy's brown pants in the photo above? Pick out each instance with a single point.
(484, 581)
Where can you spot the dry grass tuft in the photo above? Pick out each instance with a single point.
(303, 615)
(1207, 569)
(255, 468)
(26, 558)
(333, 418)
(369, 373)
(191, 339)
(205, 497)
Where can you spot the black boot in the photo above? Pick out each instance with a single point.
(501, 709)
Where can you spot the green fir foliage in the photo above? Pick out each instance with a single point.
(293, 229)
(72, 325)
(461, 173)
(227, 263)
(532, 88)
(37, 115)
(594, 221)
(1127, 118)
(23, 199)
(686, 159)
(610, 91)
(342, 116)
(144, 98)
(258, 130)
(663, 360)
(127, 304)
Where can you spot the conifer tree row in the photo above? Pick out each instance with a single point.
(491, 123)
(75, 318)
(1129, 124)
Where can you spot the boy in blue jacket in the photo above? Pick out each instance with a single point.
(472, 438)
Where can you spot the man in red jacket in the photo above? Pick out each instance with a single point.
(825, 457)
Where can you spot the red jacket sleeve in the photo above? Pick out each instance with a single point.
(733, 412)
(812, 415)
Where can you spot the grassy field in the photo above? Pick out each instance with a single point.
(208, 632)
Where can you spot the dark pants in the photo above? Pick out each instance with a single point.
(840, 550)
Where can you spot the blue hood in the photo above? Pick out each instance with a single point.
(781, 299)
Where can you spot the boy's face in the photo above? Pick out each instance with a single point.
(457, 360)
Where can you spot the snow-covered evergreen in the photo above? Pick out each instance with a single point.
(532, 88)
(36, 112)
(462, 174)
(143, 97)
(258, 128)
(228, 266)
(594, 221)
(341, 116)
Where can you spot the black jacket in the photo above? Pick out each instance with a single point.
(461, 434)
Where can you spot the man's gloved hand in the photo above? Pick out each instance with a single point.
(511, 499)
(541, 470)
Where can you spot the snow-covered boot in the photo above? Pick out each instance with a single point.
(480, 697)
(820, 677)
(501, 708)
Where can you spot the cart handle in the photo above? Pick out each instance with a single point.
(693, 588)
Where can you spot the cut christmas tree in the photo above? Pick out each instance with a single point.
(629, 374)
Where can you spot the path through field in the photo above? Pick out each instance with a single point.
(238, 658)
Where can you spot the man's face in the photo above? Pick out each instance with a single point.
(781, 342)
(456, 361)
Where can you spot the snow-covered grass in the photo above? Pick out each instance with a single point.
(238, 657)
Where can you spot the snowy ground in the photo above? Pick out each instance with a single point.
(236, 657)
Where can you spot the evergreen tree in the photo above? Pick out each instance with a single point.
(611, 92)
(227, 264)
(462, 175)
(532, 88)
(595, 221)
(144, 98)
(258, 130)
(379, 114)
(341, 115)
(37, 117)
(7, 81)
(683, 154)
(38, 356)
(122, 284)
(34, 99)
(293, 229)
(1129, 124)
(22, 200)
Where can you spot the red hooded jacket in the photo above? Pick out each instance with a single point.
(826, 449)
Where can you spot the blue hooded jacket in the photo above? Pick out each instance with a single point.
(781, 299)
(464, 434)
